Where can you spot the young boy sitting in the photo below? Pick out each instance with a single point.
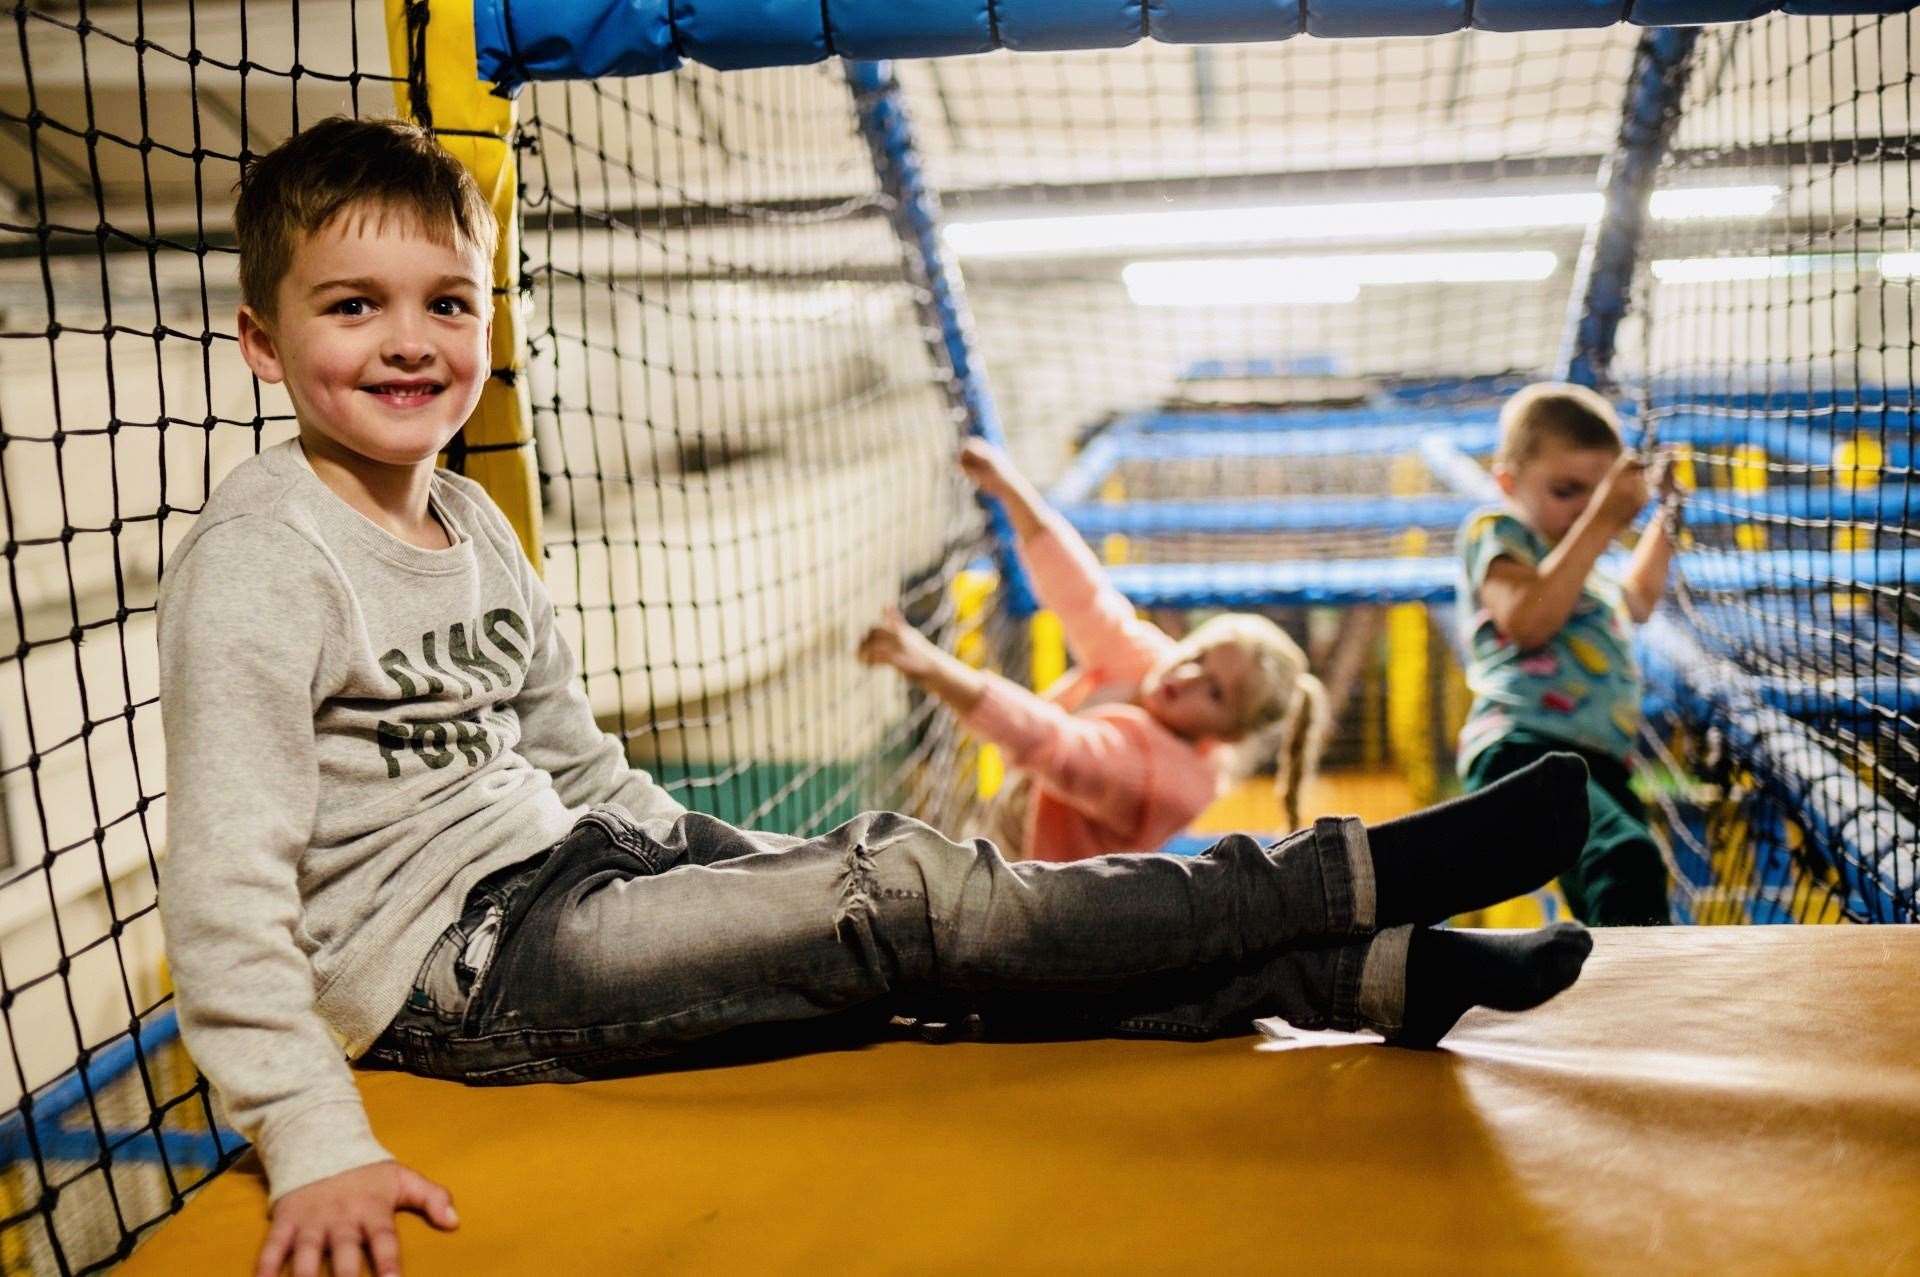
(1551, 661)
(397, 835)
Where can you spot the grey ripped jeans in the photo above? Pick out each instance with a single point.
(625, 943)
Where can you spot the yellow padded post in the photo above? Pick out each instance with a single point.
(972, 589)
(477, 127)
(1749, 466)
(1409, 672)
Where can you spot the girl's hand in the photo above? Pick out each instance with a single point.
(894, 642)
(988, 468)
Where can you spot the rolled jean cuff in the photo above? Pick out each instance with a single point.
(1346, 867)
(1380, 998)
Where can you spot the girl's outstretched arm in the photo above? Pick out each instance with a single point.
(1100, 624)
(1090, 763)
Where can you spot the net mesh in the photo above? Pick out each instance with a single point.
(744, 447)
(1788, 338)
(744, 452)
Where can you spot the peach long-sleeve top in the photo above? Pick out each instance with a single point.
(1104, 776)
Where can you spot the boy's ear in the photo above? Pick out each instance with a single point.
(257, 346)
(1504, 477)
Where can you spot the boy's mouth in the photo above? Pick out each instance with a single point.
(406, 393)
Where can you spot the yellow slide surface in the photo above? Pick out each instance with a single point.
(1704, 1101)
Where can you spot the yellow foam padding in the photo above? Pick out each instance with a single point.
(1705, 1100)
(477, 127)
(1251, 804)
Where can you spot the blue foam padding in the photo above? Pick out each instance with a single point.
(1385, 17)
(1692, 13)
(586, 39)
(571, 40)
(1360, 441)
(909, 28)
(1222, 21)
(1167, 421)
(733, 35)
(1068, 24)
(1310, 583)
(1293, 514)
(1531, 15)
(1888, 503)
(1432, 579)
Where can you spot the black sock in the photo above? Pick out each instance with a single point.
(1503, 841)
(1450, 971)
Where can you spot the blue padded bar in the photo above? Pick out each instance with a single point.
(909, 28)
(581, 40)
(1603, 277)
(945, 317)
(1713, 508)
(1477, 438)
(732, 35)
(1344, 582)
(1293, 514)
(1877, 845)
(1309, 583)
(585, 39)
(1222, 22)
(1693, 13)
(1069, 24)
(1531, 15)
(1400, 418)
(1385, 17)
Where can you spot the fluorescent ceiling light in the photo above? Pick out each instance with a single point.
(1078, 235)
(1230, 283)
(1718, 270)
(1899, 265)
(1333, 278)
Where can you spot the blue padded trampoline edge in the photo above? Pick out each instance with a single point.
(585, 39)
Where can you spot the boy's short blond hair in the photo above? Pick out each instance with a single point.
(298, 187)
(1561, 411)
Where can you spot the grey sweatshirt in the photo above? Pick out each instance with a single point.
(357, 731)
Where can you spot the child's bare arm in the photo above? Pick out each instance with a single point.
(1530, 604)
(1646, 576)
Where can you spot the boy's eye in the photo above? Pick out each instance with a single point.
(450, 306)
(1213, 689)
(351, 306)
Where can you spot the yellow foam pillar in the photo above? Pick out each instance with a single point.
(1749, 475)
(1047, 642)
(1409, 662)
(973, 589)
(1857, 462)
(477, 127)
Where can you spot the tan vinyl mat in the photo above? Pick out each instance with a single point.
(1734, 1100)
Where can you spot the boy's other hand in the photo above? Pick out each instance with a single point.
(1624, 491)
(987, 468)
(894, 642)
(348, 1217)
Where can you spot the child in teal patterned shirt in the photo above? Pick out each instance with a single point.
(1550, 655)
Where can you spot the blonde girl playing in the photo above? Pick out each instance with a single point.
(1146, 731)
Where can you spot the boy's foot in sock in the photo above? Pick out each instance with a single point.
(1481, 848)
(1450, 971)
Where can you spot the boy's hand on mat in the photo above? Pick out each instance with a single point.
(987, 468)
(1624, 491)
(894, 642)
(348, 1217)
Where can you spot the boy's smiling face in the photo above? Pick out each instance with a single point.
(1552, 487)
(381, 334)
